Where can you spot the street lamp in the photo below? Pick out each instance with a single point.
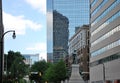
(2, 50)
(14, 35)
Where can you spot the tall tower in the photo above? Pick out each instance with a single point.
(77, 12)
(60, 36)
(105, 41)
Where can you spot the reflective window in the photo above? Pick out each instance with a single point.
(99, 7)
(105, 12)
(106, 59)
(106, 35)
(77, 11)
(106, 23)
(94, 2)
(106, 48)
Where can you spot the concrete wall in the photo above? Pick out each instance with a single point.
(112, 71)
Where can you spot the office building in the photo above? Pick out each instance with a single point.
(105, 41)
(77, 12)
(30, 59)
(59, 54)
(60, 36)
(79, 50)
(50, 57)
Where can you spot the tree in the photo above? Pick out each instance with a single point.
(50, 74)
(60, 70)
(56, 73)
(16, 68)
(39, 68)
(10, 58)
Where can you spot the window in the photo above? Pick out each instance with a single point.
(93, 3)
(106, 23)
(116, 2)
(99, 7)
(106, 48)
(106, 35)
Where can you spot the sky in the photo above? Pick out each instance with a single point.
(28, 19)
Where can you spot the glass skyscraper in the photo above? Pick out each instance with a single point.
(77, 12)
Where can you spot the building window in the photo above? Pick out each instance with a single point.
(106, 48)
(106, 23)
(106, 59)
(99, 7)
(106, 35)
(111, 7)
(93, 3)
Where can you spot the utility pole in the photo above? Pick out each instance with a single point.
(1, 45)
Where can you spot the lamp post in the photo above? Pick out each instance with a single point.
(1, 32)
(2, 51)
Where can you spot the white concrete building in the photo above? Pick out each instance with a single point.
(105, 41)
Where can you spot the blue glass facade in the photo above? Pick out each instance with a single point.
(32, 57)
(49, 31)
(77, 12)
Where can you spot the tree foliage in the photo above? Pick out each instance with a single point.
(40, 67)
(50, 74)
(56, 73)
(16, 68)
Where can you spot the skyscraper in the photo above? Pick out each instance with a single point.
(77, 12)
(60, 36)
(105, 41)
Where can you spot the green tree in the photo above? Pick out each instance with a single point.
(11, 56)
(50, 74)
(40, 67)
(60, 70)
(16, 68)
(56, 73)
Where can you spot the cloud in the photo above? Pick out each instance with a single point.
(41, 47)
(40, 5)
(38, 47)
(19, 23)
